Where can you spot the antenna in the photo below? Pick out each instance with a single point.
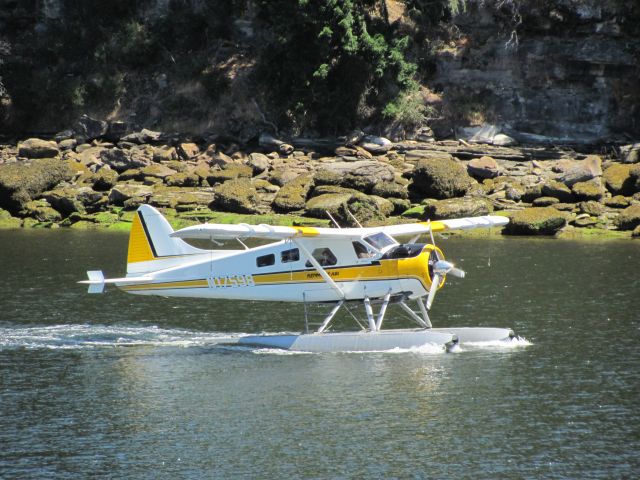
(332, 219)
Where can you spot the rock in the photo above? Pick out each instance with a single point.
(557, 190)
(545, 201)
(345, 152)
(630, 153)
(121, 193)
(413, 156)
(38, 148)
(144, 136)
(121, 160)
(164, 153)
(636, 232)
(258, 162)
(282, 176)
(441, 178)
(157, 171)
(187, 151)
(629, 218)
(182, 179)
(264, 186)
(118, 129)
(374, 144)
(582, 170)
(367, 209)
(104, 179)
(591, 190)
(41, 211)
(131, 174)
(399, 205)
(64, 135)
(617, 178)
(68, 144)
(362, 175)
(536, 221)
(488, 134)
(269, 142)
(293, 195)
(7, 221)
(455, 208)
(70, 199)
(585, 222)
(385, 206)
(331, 202)
(634, 173)
(88, 128)
(230, 171)
(502, 140)
(617, 201)
(591, 208)
(363, 154)
(531, 193)
(390, 189)
(22, 181)
(238, 196)
(483, 167)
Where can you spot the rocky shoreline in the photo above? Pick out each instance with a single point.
(98, 174)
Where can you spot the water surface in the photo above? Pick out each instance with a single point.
(117, 385)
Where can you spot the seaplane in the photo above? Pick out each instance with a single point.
(333, 267)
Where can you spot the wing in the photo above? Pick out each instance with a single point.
(468, 223)
(243, 230)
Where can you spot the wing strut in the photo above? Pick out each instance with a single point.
(323, 273)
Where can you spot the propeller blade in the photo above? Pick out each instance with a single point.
(456, 272)
(432, 291)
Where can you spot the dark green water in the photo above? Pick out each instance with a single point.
(118, 386)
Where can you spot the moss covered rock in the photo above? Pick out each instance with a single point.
(325, 177)
(157, 170)
(545, 201)
(591, 207)
(558, 190)
(7, 221)
(591, 190)
(182, 179)
(237, 196)
(293, 195)
(455, 208)
(536, 221)
(230, 171)
(37, 148)
(331, 202)
(629, 218)
(617, 201)
(123, 192)
(441, 178)
(390, 189)
(41, 211)
(22, 181)
(617, 178)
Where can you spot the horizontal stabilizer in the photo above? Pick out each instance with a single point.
(97, 281)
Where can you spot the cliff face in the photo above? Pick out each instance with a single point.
(563, 68)
(568, 69)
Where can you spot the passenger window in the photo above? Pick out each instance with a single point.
(292, 255)
(361, 250)
(324, 256)
(266, 260)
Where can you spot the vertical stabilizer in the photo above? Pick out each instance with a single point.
(149, 241)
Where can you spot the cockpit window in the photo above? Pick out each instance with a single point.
(379, 240)
(361, 250)
(324, 256)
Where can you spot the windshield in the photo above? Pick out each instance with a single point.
(379, 240)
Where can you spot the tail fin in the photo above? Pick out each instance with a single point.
(149, 240)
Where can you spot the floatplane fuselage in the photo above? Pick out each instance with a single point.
(301, 264)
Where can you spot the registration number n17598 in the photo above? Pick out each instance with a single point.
(232, 281)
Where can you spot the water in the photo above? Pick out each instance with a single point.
(119, 386)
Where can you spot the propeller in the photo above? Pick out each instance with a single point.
(440, 269)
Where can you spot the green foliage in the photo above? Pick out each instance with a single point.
(407, 110)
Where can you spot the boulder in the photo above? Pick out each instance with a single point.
(591, 207)
(591, 190)
(483, 167)
(629, 218)
(617, 201)
(293, 195)
(104, 179)
(22, 181)
(157, 170)
(41, 211)
(70, 199)
(328, 202)
(455, 208)
(345, 152)
(187, 151)
(374, 144)
(238, 196)
(90, 156)
(630, 153)
(636, 232)
(536, 221)
(581, 170)
(441, 178)
(68, 144)
(557, 190)
(121, 193)
(634, 173)
(545, 201)
(142, 137)
(88, 128)
(121, 160)
(8, 221)
(230, 171)
(182, 179)
(390, 189)
(118, 129)
(362, 174)
(258, 162)
(37, 148)
(164, 153)
(618, 180)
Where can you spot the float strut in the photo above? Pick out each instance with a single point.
(413, 315)
(383, 309)
(369, 310)
(329, 317)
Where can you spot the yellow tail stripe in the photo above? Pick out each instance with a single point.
(139, 248)
(201, 283)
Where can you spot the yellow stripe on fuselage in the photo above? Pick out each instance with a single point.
(307, 231)
(139, 247)
(200, 283)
